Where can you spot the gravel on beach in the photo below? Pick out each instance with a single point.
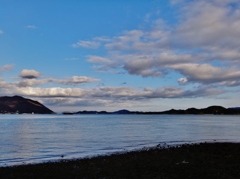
(195, 161)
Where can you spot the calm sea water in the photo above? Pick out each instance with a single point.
(40, 138)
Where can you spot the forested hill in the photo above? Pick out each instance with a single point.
(18, 104)
(209, 110)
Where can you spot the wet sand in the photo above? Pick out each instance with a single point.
(205, 160)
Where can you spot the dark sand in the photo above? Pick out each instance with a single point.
(205, 160)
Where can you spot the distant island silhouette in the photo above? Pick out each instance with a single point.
(20, 105)
(218, 110)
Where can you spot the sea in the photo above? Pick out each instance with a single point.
(32, 138)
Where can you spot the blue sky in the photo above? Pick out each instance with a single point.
(105, 55)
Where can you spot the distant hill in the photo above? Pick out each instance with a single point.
(209, 110)
(18, 104)
(219, 110)
(123, 111)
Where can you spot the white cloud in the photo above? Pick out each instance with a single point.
(207, 23)
(143, 66)
(71, 102)
(230, 83)
(105, 65)
(104, 96)
(118, 93)
(51, 92)
(155, 66)
(203, 47)
(207, 31)
(75, 80)
(6, 68)
(86, 44)
(32, 82)
(129, 40)
(27, 87)
(97, 59)
(1, 32)
(5, 85)
(206, 73)
(29, 74)
(182, 81)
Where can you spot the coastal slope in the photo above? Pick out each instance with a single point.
(20, 105)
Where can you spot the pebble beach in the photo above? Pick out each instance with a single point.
(204, 160)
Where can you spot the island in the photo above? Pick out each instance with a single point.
(215, 110)
(21, 105)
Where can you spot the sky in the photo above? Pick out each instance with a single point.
(149, 55)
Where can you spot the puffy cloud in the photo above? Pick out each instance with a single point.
(206, 73)
(6, 68)
(203, 47)
(51, 92)
(32, 82)
(203, 91)
(107, 93)
(155, 66)
(207, 31)
(124, 41)
(104, 96)
(97, 59)
(225, 54)
(105, 65)
(182, 81)
(29, 74)
(207, 23)
(230, 83)
(117, 93)
(75, 80)
(86, 44)
(5, 85)
(71, 102)
(30, 79)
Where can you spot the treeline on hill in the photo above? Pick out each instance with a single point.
(209, 110)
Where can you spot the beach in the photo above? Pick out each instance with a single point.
(204, 160)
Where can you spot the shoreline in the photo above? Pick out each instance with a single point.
(200, 160)
(65, 157)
